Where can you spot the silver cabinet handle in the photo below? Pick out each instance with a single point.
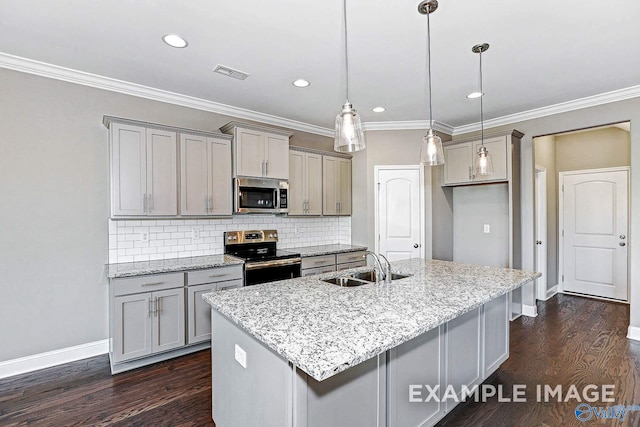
(622, 244)
(266, 168)
(150, 204)
(144, 203)
(151, 310)
(263, 169)
(152, 284)
(622, 236)
(206, 205)
(158, 306)
(212, 276)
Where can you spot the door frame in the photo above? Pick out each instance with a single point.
(561, 176)
(541, 231)
(425, 193)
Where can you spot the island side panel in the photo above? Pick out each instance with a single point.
(496, 333)
(256, 396)
(419, 362)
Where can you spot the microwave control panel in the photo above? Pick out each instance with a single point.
(283, 198)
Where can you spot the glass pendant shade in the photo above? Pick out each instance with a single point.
(431, 153)
(484, 162)
(349, 134)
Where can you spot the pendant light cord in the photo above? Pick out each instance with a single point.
(346, 47)
(429, 70)
(481, 104)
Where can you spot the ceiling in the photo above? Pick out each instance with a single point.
(542, 52)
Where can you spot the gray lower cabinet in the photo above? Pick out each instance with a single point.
(198, 311)
(333, 262)
(144, 321)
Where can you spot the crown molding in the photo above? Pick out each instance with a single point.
(563, 107)
(408, 125)
(56, 72)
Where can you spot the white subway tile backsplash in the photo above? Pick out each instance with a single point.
(172, 238)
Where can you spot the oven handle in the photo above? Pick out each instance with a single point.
(274, 263)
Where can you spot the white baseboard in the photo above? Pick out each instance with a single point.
(529, 310)
(634, 333)
(53, 358)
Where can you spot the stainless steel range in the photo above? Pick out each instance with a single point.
(264, 262)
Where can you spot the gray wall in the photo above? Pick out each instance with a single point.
(475, 206)
(54, 182)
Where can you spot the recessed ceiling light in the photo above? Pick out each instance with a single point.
(174, 40)
(379, 110)
(473, 95)
(301, 83)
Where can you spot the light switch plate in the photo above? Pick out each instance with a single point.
(241, 356)
(144, 236)
(195, 234)
(487, 228)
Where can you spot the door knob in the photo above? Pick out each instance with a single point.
(622, 244)
(538, 242)
(415, 245)
(622, 236)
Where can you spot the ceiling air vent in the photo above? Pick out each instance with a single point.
(230, 72)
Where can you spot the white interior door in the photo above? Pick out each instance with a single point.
(541, 233)
(400, 212)
(594, 220)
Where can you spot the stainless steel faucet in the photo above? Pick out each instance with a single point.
(385, 273)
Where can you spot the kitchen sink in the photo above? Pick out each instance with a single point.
(370, 276)
(346, 281)
(360, 279)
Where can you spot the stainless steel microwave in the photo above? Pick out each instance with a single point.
(260, 195)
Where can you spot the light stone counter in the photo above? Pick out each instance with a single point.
(324, 329)
(130, 269)
(309, 251)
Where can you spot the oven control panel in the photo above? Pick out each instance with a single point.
(250, 236)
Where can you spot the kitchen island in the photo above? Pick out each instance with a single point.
(303, 352)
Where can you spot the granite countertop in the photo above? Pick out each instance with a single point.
(307, 251)
(325, 329)
(130, 269)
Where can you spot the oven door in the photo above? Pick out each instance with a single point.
(270, 271)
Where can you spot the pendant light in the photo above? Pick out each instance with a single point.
(431, 152)
(483, 164)
(349, 136)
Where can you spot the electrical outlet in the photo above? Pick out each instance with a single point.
(195, 234)
(144, 236)
(487, 228)
(241, 356)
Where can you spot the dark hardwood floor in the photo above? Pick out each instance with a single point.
(573, 341)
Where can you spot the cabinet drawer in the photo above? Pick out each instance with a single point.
(318, 261)
(211, 275)
(350, 257)
(231, 284)
(351, 265)
(156, 282)
(318, 270)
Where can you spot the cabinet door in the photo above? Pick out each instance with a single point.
(219, 176)
(132, 327)
(344, 187)
(297, 191)
(313, 183)
(199, 313)
(162, 174)
(193, 175)
(457, 163)
(249, 145)
(168, 324)
(497, 147)
(330, 185)
(277, 156)
(496, 334)
(128, 170)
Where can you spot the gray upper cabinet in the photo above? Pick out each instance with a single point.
(205, 175)
(259, 151)
(336, 178)
(459, 161)
(143, 171)
(305, 183)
